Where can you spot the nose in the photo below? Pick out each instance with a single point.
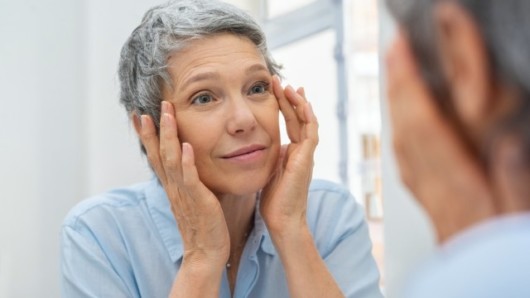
(241, 117)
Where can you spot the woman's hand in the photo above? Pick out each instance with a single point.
(197, 211)
(433, 161)
(284, 199)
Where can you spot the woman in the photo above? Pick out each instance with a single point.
(231, 213)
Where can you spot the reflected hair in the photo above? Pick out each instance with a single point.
(166, 29)
(505, 29)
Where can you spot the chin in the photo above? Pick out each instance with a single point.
(241, 185)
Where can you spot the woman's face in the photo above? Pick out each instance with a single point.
(226, 110)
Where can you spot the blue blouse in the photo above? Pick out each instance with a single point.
(125, 243)
(488, 260)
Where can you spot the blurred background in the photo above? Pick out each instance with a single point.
(65, 137)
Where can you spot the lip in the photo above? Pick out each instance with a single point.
(246, 151)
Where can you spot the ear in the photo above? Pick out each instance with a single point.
(137, 123)
(465, 64)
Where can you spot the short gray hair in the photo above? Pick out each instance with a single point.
(505, 28)
(166, 29)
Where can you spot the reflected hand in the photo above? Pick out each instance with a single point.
(284, 198)
(433, 161)
(197, 211)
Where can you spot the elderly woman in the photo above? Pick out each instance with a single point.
(231, 212)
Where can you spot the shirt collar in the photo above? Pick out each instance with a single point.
(262, 231)
(493, 227)
(164, 220)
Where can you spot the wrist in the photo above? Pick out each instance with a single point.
(196, 279)
(291, 235)
(203, 263)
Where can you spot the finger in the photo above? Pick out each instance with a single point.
(301, 91)
(149, 139)
(288, 112)
(306, 116)
(170, 152)
(311, 127)
(297, 102)
(190, 177)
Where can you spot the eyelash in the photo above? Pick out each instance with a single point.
(194, 100)
(265, 85)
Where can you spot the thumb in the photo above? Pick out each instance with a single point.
(190, 176)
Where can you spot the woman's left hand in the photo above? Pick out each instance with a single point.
(284, 198)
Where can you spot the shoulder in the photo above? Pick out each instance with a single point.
(489, 261)
(320, 185)
(330, 197)
(106, 206)
(333, 213)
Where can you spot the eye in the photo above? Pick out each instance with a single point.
(202, 99)
(259, 88)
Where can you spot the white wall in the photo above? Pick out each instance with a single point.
(41, 133)
(408, 234)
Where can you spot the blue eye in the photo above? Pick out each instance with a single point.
(202, 99)
(259, 88)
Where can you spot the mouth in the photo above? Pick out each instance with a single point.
(243, 152)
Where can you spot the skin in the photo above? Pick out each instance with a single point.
(438, 155)
(216, 107)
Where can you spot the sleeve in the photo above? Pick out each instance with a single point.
(85, 270)
(343, 239)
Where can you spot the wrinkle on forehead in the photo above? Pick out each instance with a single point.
(208, 56)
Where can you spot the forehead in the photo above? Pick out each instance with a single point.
(215, 52)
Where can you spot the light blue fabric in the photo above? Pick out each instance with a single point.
(491, 260)
(125, 243)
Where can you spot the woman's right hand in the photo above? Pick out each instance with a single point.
(197, 211)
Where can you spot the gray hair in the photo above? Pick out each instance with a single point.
(166, 29)
(505, 28)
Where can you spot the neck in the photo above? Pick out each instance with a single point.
(239, 216)
(511, 176)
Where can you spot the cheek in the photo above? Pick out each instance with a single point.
(200, 132)
(268, 116)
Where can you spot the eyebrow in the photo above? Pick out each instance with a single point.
(256, 68)
(209, 75)
(200, 77)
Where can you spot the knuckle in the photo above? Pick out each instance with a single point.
(169, 160)
(148, 135)
(170, 163)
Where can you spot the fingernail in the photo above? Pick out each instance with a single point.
(185, 148)
(164, 107)
(187, 151)
(143, 120)
(165, 118)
